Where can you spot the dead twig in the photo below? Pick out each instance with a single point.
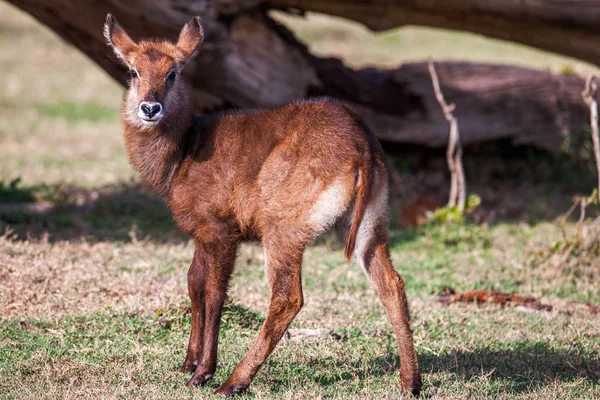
(458, 188)
(566, 216)
(583, 203)
(583, 230)
(589, 95)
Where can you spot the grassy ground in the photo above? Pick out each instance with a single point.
(93, 297)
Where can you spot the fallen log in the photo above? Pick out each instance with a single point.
(249, 60)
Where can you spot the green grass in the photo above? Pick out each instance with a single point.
(137, 356)
(76, 112)
(93, 292)
(127, 335)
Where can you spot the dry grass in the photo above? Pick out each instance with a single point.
(93, 297)
(53, 280)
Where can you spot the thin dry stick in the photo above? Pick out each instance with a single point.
(458, 188)
(580, 223)
(589, 96)
(452, 139)
(582, 206)
(566, 216)
(460, 174)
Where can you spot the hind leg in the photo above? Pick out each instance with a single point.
(375, 259)
(372, 253)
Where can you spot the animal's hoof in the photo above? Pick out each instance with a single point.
(413, 387)
(199, 379)
(230, 390)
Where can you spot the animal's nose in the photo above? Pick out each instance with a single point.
(150, 109)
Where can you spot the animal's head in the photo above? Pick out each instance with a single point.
(155, 87)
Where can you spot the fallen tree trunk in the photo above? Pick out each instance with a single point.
(565, 27)
(493, 102)
(248, 60)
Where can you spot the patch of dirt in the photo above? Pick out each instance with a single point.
(523, 303)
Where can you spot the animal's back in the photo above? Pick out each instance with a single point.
(282, 166)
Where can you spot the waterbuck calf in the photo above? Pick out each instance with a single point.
(282, 175)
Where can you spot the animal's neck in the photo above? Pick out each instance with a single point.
(157, 152)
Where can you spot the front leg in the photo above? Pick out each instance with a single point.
(196, 280)
(218, 260)
(284, 273)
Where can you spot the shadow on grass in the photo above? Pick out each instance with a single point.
(236, 316)
(514, 185)
(11, 192)
(520, 370)
(116, 213)
(517, 370)
(119, 213)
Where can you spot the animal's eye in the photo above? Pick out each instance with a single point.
(133, 73)
(171, 75)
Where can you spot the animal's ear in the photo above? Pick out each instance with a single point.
(190, 38)
(118, 39)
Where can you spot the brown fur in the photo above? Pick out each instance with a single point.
(282, 176)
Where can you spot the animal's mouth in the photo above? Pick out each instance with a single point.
(153, 120)
(150, 120)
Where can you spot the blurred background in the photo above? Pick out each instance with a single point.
(61, 136)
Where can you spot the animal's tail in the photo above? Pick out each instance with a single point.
(362, 193)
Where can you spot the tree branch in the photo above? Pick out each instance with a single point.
(565, 27)
(458, 189)
(589, 95)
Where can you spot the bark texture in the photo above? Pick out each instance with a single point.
(248, 60)
(567, 27)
